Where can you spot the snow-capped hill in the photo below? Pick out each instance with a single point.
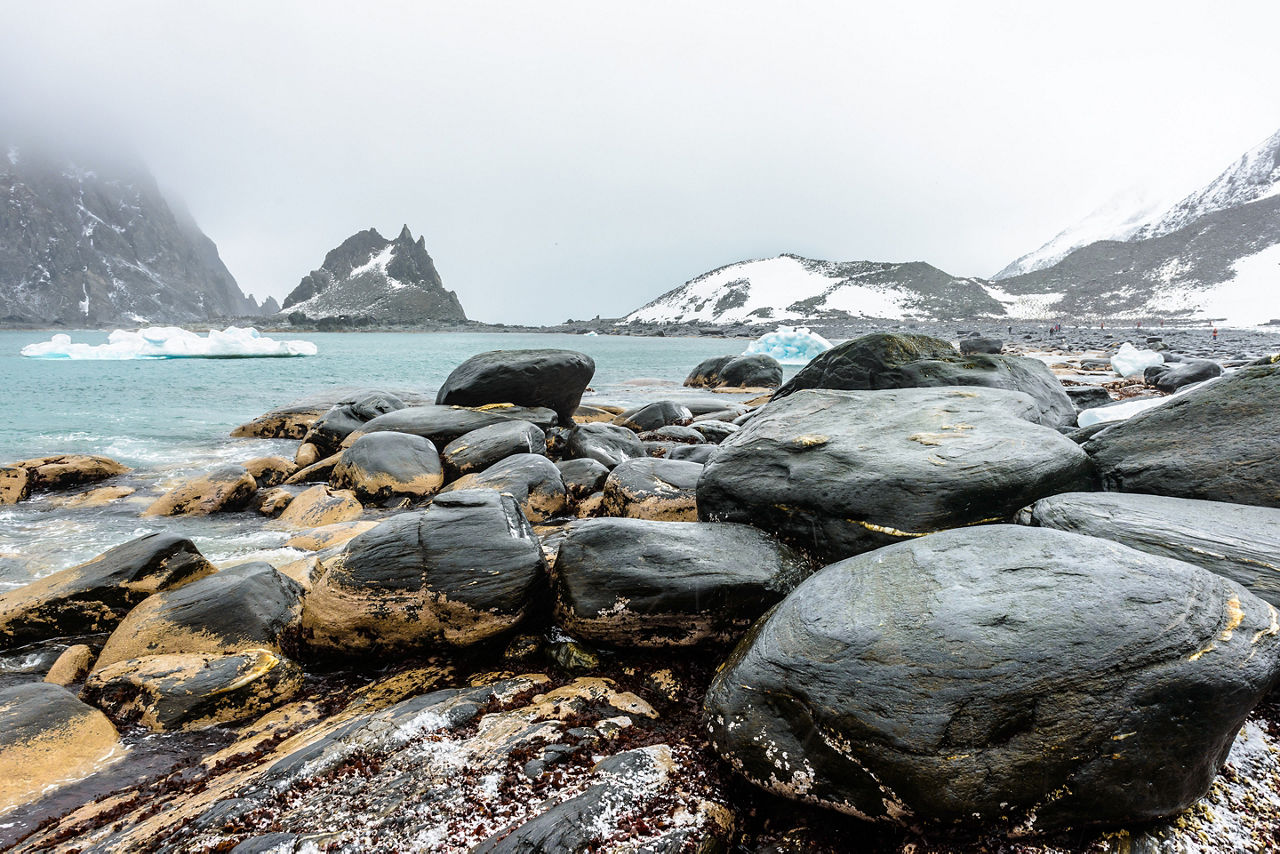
(93, 241)
(1255, 176)
(790, 287)
(1118, 219)
(371, 279)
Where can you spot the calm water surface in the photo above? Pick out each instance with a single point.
(168, 419)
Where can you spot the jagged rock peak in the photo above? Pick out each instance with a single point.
(88, 238)
(369, 279)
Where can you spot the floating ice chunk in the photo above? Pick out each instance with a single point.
(790, 345)
(170, 342)
(1130, 361)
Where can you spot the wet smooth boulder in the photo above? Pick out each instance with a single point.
(319, 506)
(443, 424)
(980, 344)
(970, 675)
(1238, 541)
(582, 477)
(479, 449)
(1171, 377)
(465, 569)
(270, 471)
(663, 490)
(1218, 442)
(15, 484)
(758, 370)
(654, 415)
(95, 596)
(892, 360)
(379, 466)
(531, 479)
(224, 489)
(251, 606)
(48, 738)
(642, 584)
(193, 691)
(66, 470)
(607, 444)
(842, 472)
(347, 416)
(554, 379)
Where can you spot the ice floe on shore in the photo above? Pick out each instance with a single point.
(790, 345)
(170, 342)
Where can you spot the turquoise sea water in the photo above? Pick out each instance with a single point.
(169, 419)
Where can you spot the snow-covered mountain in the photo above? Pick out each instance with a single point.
(1137, 215)
(1118, 219)
(790, 287)
(91, 240)
(1255, 176)
(371, 279)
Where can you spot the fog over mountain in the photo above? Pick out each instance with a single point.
(569, 159)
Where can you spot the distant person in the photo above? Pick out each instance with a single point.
(1215, 333)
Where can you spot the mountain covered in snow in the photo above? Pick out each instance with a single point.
(1135, 215)
(790, 287)
(1214, 256)
(88, 241)
(371, 279)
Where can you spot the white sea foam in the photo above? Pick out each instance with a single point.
(790, 345)
(170, 342)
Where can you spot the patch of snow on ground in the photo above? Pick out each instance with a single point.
(860, 300)
(13, 155)
(377, 263)
(1252, 297)
(1025, 306)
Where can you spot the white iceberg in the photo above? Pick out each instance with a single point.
(170, 342)
(1130, 361)
(790, 345)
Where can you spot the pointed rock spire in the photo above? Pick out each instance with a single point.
(405, 235)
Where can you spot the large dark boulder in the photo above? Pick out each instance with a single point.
(890, 360)
(1015, 672)
(664, 490)
(385, 465)
(654, 415)
(1219, 442)
(555, 379)
(48, 738)
(443, 424)
(1239, 541)
(95, 596)
(981, 344)
(640, 583)
(842, 472)
(607, 444)
(479, 449)
(349, 415)
(251, 606)
(467, 568)
(1171, 377)
(757, 370)
(1088, 396)
(531, 479)
(582, 477)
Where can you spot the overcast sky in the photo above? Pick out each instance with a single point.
(574, 159)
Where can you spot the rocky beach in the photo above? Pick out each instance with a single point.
(896, 600)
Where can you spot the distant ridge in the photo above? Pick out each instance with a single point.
(88, 241)
(368, 278)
